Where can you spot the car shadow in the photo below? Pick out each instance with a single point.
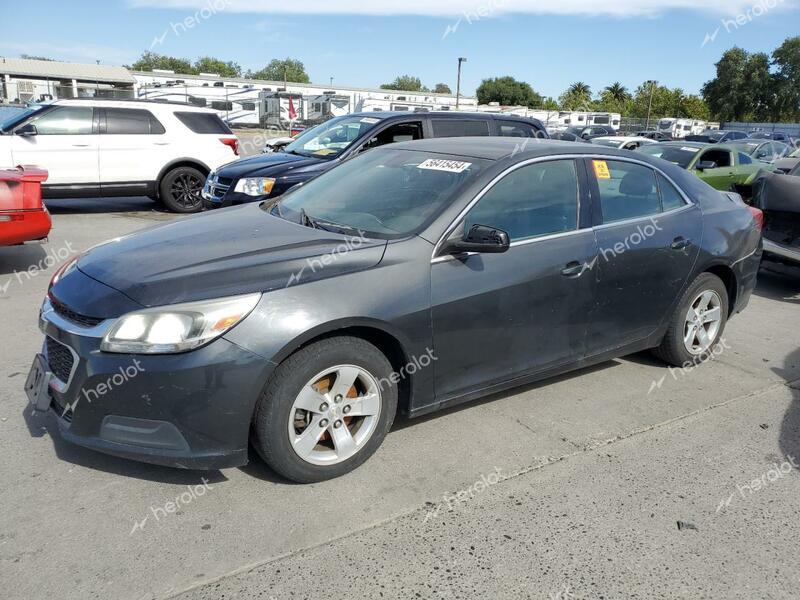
(40, 425)
(73, 206)
(779, 282)
(18, 259)
(789, 439)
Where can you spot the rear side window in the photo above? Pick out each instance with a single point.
(670, 198)
(517, 129)
(459, 127)
(627, 190)
(131, 121)
(532, 201)
(203, 122)
(744, 159)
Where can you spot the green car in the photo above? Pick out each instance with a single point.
(722, 166)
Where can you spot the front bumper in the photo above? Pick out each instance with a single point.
(218, 192)
(190, 410)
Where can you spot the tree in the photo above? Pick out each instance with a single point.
(406, 83)
(617, 92)
(786, 60)
(577, 97)
(150, 60)
(694, 107)
(29, 57)
(442, 88)
(614, 98)
(289, 68)
(208, 64)
(508, 92)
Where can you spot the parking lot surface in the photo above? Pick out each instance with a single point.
(626, 480)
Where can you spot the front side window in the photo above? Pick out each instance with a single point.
(65, 120)
(400, 132)
(720, 158)
(532, 201)
(627, 190)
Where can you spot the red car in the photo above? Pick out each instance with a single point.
(23, 217)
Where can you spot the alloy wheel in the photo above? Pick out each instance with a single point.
(185, 189)
(334, 415)
(703, 321)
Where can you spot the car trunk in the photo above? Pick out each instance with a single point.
(778, 196)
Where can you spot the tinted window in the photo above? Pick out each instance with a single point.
(678, 155)
(517, 129)
(66, 120)
(459, 128)
(129, 121)
(670, 198)
(627, 190)
(203, 122)
(721, 158)
(532, 201)
(744, 159)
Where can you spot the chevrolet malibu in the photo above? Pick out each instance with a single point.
(411, 278)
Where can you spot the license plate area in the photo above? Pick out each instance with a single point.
(37, 385)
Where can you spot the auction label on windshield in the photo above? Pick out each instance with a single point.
(451, 166)
(370, 120)
(601, 169)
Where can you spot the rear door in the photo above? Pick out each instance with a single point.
(499, 316)
(133, 147)
(648, 237)
(723, 175)
(66, 145)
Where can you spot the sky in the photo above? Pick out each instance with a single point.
(549, 44)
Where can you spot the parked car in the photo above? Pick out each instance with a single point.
(623, 142)
(566, 136)
(310, 321)
(778, 197)
(591, 132)
(23, 217)
(94, 148)
(724, 167)
(777, 136)
(716, 136)
(658, 136)
(762, 150)
(789, 163)
(329, 144)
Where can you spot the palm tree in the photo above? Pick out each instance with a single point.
(617, 92)
(580, 89)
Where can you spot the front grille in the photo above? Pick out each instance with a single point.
(219, 186)
(61, 411)
(67, 313)
(60, 359)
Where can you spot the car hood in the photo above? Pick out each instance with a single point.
(223, 253)
(269, 165)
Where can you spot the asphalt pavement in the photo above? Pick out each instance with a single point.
(626, 480)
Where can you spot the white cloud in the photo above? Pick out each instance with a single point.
(451, 8)
(82, 53)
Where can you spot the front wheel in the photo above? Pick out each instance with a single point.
(697, 324)
(326, 410)
(180, 190)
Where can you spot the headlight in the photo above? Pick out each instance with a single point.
(178, 327)
(255, 186)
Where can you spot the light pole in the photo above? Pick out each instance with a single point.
(650, 103)
(458, 81)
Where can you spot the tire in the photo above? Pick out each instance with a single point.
(674, 348)
(180, 190)
(279, 424)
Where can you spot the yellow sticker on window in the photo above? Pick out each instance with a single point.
(601, 169)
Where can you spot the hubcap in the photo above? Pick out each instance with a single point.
(703, 321)
(334, 415)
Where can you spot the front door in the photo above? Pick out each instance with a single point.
(66, 144)
(648, 240)
(499, 316)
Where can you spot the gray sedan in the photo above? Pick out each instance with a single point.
(410, 278)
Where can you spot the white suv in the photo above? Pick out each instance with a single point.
(120, 148)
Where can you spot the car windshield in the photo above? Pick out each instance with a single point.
(385, 193)
(575, 130)
(795, 154)
(608, 142)
(679, 155)
(331, 138)
(8, 122)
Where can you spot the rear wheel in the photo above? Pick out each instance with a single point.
(180, 190)
(697, 324)
(326, 410)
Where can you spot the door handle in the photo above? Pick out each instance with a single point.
(680, 243)
(80, 145)
(161, 143)
(573, 269)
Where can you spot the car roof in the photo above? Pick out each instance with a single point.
(687, 144)
(383, 115)
(497, 148)
(133, 103)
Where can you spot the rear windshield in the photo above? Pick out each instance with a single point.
(679, 155)
(203, 122)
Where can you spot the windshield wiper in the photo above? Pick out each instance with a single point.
(306, 220)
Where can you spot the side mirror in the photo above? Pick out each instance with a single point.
(482, 239)
(585, 136)
(26, 130)
(706, 164)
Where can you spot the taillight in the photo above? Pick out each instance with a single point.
(758, 217)
(233, 143)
